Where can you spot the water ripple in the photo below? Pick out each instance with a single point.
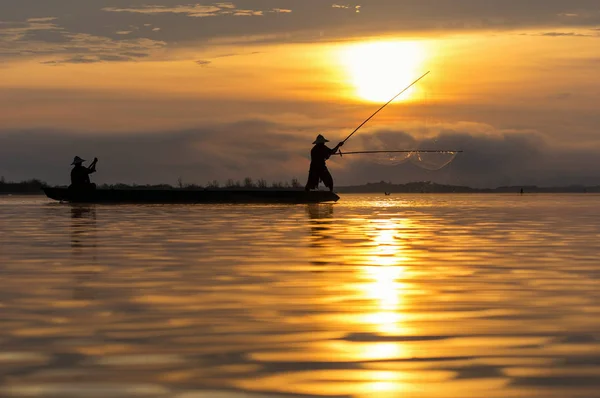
(411, 295)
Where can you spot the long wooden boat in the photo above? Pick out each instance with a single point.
(178, 196)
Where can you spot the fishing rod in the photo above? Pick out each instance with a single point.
(386, 104)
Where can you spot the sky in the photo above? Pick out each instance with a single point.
(167, 89)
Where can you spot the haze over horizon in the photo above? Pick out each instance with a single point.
(164, 89)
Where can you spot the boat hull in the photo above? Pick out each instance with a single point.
(182, 196)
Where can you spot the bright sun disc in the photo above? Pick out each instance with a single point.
(380, 70)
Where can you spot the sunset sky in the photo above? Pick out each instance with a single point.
(167, 89)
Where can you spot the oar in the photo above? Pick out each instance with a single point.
(92, 167)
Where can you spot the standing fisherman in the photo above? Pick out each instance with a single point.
(318, 169)
(80, 176)
(320, 152)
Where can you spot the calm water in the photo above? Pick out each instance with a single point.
(401, 296)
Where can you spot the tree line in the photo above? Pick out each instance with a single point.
(250, 183)
(35, 186)
(29, 186)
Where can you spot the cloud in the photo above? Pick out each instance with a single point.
(563, 34)
(220, 151)
(198, 10)
(41, 20)
(126, 57)
(355, 8)
(18, 33)
(43, 36)
(51, 63)
(74, 60)
(261, 149)
(88, 60)
(237, 54)
(133, 54)
(270, 20)
(206, 62)
(192, 11)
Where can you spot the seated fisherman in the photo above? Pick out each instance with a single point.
(80, 175)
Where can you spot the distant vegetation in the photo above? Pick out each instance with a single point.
(25, 187)
(35, 187)
(248, 183)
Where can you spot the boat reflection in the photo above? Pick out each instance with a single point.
(321, 229)
(83, 227)
(83, 248)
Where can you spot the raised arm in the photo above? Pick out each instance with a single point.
(92, 167)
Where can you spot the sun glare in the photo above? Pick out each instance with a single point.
(380, 70)
(383, 273)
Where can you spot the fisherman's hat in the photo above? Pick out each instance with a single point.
(77, 160)
(320, 140)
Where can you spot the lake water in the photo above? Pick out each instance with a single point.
(399, 296)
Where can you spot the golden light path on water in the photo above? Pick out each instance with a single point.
(384, 273)
(410, 295)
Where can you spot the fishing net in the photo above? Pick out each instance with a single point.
(382, 142)
(433, 161)
(391, 159)
(390, 149)
(434, 153)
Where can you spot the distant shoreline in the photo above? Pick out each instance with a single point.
(34, 187)
(429, 187)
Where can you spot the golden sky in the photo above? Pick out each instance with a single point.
(248, 74)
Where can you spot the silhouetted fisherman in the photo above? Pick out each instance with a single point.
(318, 169)
(80, 176)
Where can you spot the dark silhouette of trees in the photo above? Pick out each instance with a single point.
(29, 186)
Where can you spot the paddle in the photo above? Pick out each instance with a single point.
(92, 167)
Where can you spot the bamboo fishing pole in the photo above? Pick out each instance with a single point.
(379, 110)
(384, 105)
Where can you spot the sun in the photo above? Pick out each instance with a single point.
(379, 70)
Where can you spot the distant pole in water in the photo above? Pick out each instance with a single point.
(386, 104)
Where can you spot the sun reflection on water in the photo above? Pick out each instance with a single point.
(383, 275)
